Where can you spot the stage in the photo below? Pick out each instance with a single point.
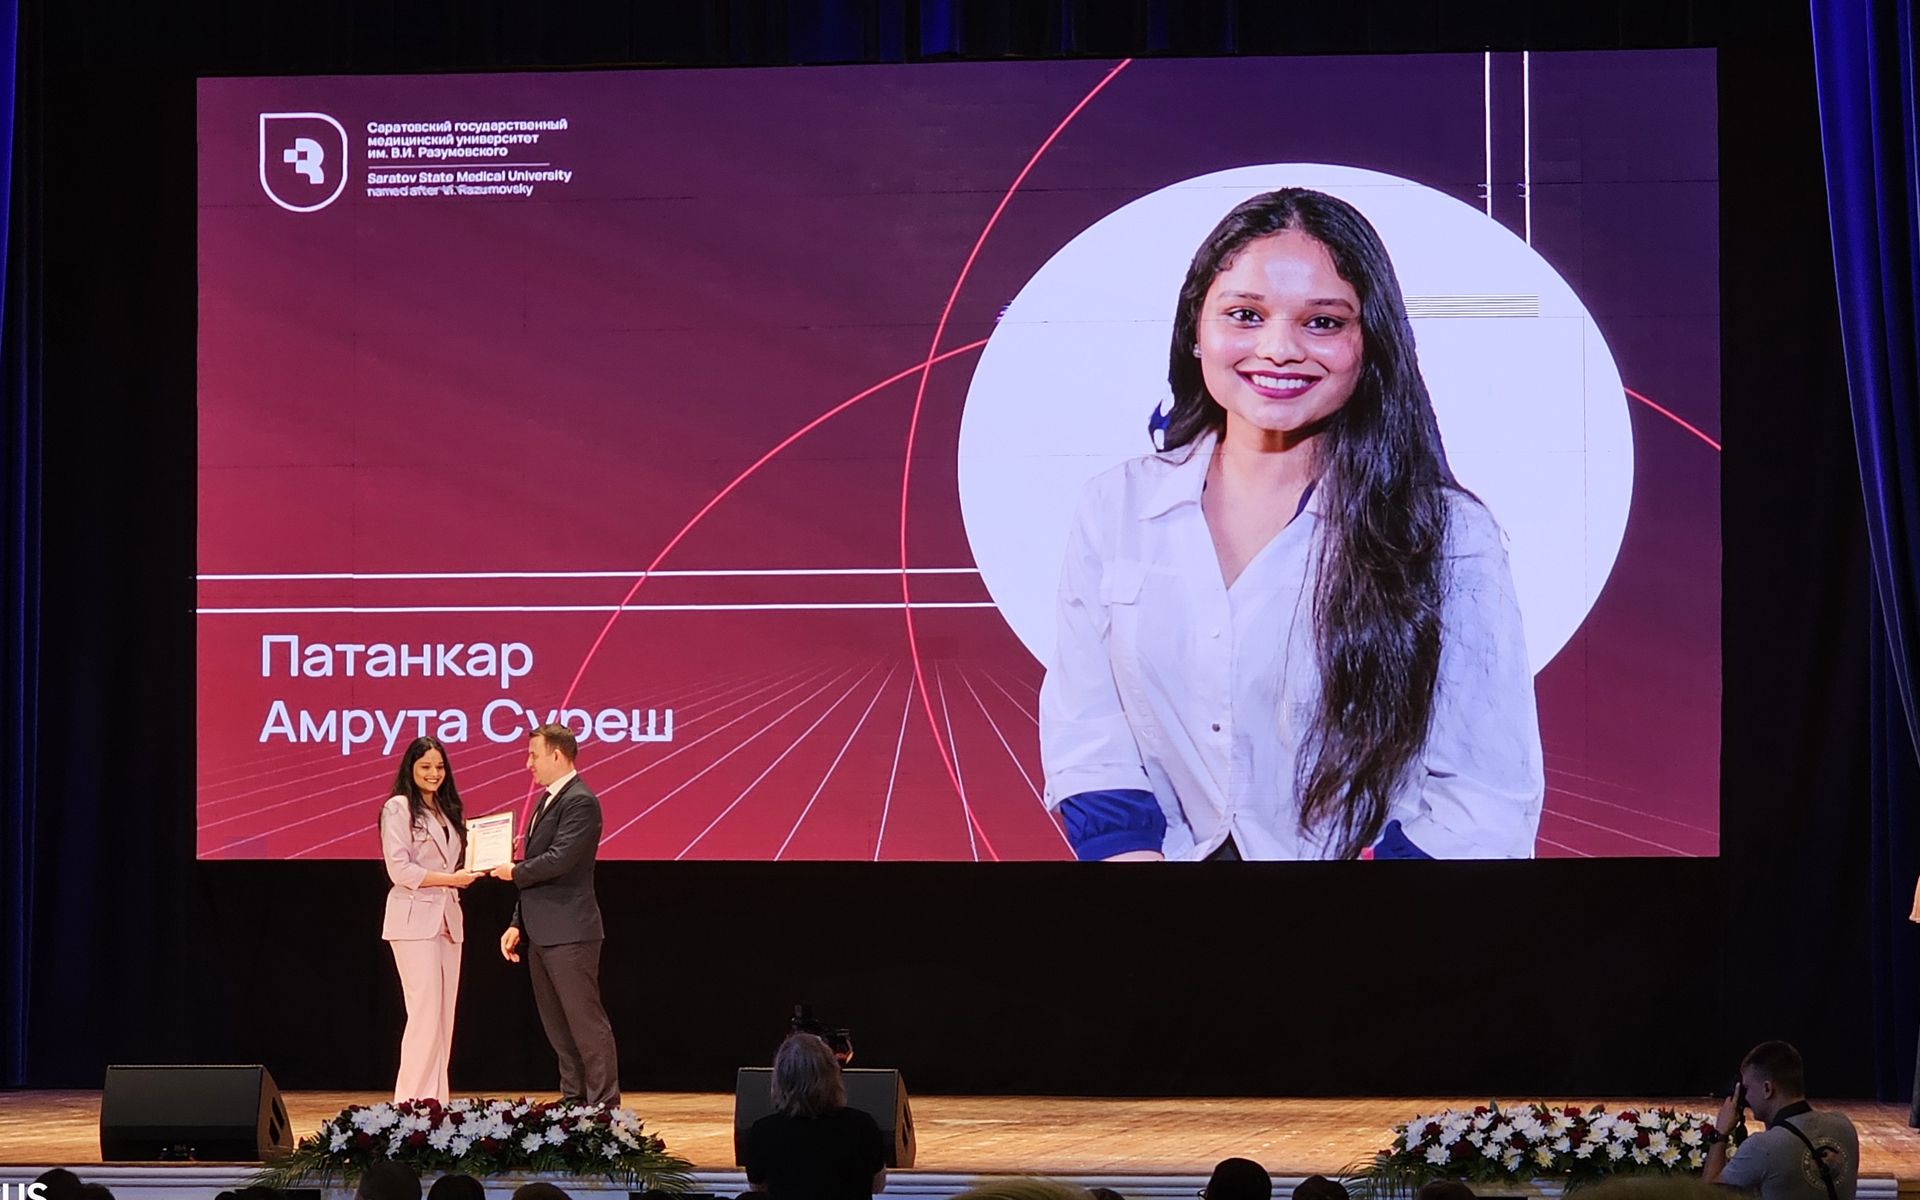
(1142, 1147)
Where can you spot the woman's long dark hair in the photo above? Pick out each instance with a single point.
(447, 798)
(1383, 481)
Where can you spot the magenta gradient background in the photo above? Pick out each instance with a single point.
(560, 383)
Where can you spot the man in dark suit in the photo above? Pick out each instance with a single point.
(558, 919)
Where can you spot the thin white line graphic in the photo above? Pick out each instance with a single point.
(778, 759)
(886, 807)
(857, 727)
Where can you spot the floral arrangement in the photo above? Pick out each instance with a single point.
(1488, 1144)
(480, 1138)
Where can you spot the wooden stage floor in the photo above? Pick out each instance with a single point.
(966, 1134)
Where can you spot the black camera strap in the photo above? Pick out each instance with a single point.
(1819, 1156)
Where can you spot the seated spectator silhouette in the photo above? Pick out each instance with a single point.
(1238, 1179)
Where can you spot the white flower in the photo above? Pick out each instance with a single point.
(531, 1142)
(610, 1152)
(556, 1136)
(440, 1138)
(1510, 1160)
(1656, 1142)
(1616, 1151)
(1585, 1150)
(1640, 1156)
(460, 1146)
(1696, 1159)
(339, 1141)
(1543, 1156)
(1670, 1155)
(1691, 1137)
(1435, 1155)
(1563, 1144)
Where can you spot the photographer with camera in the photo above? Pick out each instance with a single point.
(1802, 1154)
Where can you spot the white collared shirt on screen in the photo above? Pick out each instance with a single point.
(1165, 679)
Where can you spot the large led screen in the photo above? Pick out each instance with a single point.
(881, 463)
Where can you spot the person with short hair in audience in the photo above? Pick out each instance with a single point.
(1444, 1189)
(58, 1183)
(1104, 1193)
(812, 1146)
(385, 1179)
(457, 1187)
(1238, 1179)
(540, 1189)
(1802, 1154)
(1319, 1187)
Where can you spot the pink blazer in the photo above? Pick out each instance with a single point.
(415, 912)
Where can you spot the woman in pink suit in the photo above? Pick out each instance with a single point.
(423, 838)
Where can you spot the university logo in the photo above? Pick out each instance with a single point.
(303, 160)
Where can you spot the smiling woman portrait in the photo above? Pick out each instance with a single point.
(1291, 634)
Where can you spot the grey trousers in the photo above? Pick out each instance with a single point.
(566, 989)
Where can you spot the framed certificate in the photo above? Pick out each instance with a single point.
(489, 841)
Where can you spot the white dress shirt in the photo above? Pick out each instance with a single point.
(1167, 680)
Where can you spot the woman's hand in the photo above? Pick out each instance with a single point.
(461, 879)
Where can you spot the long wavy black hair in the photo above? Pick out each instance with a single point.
(447, 798)
(1383, 480)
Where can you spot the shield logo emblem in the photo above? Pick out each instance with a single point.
(303, 160)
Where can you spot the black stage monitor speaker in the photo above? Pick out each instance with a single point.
(879, 1094)
(206, 1113)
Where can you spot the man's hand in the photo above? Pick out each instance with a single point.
(1730, 1110)
(510, 944)
(503, 871)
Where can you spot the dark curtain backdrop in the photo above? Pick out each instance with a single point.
(1864, 52)
(19, 560)
(1595, 977)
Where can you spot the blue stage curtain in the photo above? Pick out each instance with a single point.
(1864, 63)
(19, 590)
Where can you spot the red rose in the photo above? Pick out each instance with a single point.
(1641, 1139)
(1571, 1112)
(1432, 1129)
(417, 1139)
(1706, 1127)
(1462, 1149)
(490, 1145)
(1630, 1116)
(363, 1140)
(1576, 1135)
(1481, 1110)
(1518, 1141)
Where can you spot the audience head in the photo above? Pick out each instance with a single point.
(1239, 1179)
(1319, 1187)
(539, 1189)
(1017, 1187)
(385, 1179)
(1104, 1194)
(456, 1187)
(1444, 1189)
(1774, 1077)
(252, 1191)
(806, 1078)
(59, 1184)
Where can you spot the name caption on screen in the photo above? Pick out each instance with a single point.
(502, 720)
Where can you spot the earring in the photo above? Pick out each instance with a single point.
(1196, 349)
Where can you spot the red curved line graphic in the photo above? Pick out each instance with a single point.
(1670, 415)
(922, 367)
(913, 429)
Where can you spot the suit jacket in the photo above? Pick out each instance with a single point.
(411, 850)
(557, 903)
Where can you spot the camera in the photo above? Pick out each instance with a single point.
(838, 1040)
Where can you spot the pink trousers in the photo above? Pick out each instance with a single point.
(430, 980)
